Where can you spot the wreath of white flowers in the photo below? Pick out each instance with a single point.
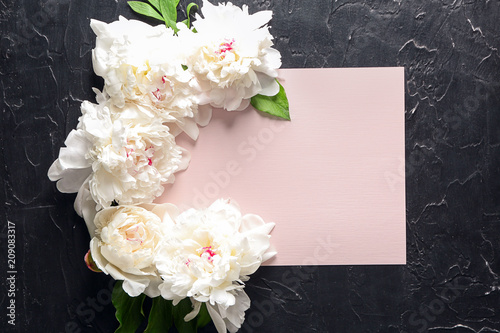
(160, 81)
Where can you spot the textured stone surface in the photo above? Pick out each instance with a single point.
(449, 51)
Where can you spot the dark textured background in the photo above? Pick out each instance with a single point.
(449, 51)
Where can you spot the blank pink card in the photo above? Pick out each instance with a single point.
(332, 179)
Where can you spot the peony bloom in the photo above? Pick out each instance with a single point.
(125, 244)
(208, 255)
(143, 64)
(126, 159)
(232, 56)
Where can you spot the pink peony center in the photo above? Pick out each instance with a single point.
(207, 252)
(224, 47)
(135, 234)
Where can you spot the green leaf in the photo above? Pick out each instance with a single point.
(276, 105)
(128, 309)
(203, 318)
(160, 316)
(168, 10)
(144, 9)
(155, 3)
(188, 13)
(180, 311)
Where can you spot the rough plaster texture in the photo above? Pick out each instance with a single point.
(449, 49)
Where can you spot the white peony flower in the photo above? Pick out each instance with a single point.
(143, 64)
(208, 254)
(126, 159)
(232, 55)
(125, 244)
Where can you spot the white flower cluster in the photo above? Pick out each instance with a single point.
(205, 255)
(158, 84)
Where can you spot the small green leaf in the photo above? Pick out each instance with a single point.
(168, 10)
(184, 67)
(203, 318)
(128, 309)
(160, 316)
(188, 13)
(144, 9)
(180, 311)
(276, 105)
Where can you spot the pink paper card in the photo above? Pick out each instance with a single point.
(332, 179)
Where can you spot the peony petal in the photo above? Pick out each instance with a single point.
(166, 293)
(55, 171)
(97, 26)
(243, 105)
(251, 221)
(77, 146)
(221, 296)
(260, 18)
(269, 254)
(175, 130)
(196, 309)
(166, 212)
(270, 86)
(134, 288)
(219, 323)
(204, 115)
(185, 159)
(100, 261)
(132, 285)
(85, 206)
(152, 289)
(72, 180)
(235, 314)
(103, 188)
(271, 62)
(190, 127)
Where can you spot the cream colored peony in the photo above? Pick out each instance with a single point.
(232, 56)
(121, 156)
(143, 64)
(125, 244)
(208, 254)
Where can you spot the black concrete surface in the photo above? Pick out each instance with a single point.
(449, 49)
